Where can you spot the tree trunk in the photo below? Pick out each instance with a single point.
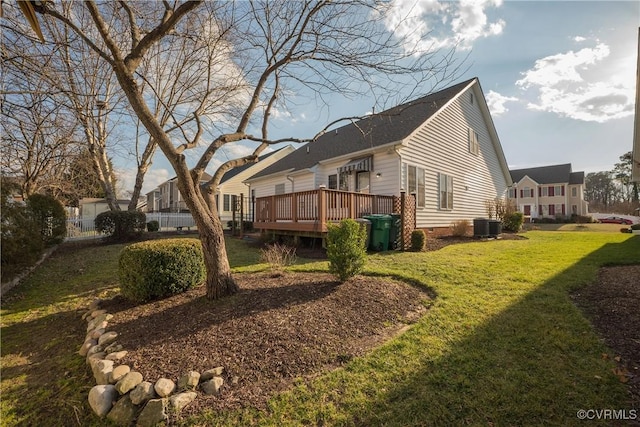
(220, 282)
(143, 166)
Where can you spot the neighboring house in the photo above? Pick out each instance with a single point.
(442, 147)
(232, 190)
(90, 207)
(167, 197)
(548, 192)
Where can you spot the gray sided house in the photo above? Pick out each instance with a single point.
(548, 192)
(442, 148)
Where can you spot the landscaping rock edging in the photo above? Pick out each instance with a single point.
(120, 394)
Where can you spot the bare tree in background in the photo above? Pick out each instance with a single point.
(269, 48)
(37, 137)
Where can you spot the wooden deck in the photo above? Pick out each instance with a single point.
(310, 211)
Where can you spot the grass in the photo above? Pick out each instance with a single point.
(502, 343)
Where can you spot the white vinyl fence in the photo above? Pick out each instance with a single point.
(84, 228)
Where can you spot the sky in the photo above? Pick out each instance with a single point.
(559, 78)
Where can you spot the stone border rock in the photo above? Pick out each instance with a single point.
(120, 394)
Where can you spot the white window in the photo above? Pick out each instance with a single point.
(574, 192)
(474, 145)
(512, 193)
(445, 190)
(226, 201)
(558, 190)
(415, 184)
(545, 191)
(279, 189)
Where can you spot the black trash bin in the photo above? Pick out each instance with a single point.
(495, 228)
(480, 227)
(394, 232)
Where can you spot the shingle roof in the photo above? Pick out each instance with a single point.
(549, 174)
(392, 125)
(233, 172)
(576, 178)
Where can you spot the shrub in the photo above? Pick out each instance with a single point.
(21, 242)
(513, 222)
(49, 217)
(153, 226)
(278, 256)
(418, 240)
(120, 226)
(460, 228)
(346, 248)
(160, 268)
(246, 225)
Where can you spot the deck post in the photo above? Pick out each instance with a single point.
(403, 220)
(272, 209)
(322, 207)
(352, 205)
(294, 207)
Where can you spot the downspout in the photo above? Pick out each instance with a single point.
(292, 183)
(395, 149)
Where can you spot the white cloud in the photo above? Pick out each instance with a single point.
(581, 85)
(496, 102)
(152, 179)
(579, 39)
(426, 25)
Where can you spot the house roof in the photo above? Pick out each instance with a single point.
(205, 177)
(549, 174)
(389, 126)
(233, 172)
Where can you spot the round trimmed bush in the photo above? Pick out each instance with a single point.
(120, 226)
(418, 240)
(160, 268)
(153, 226)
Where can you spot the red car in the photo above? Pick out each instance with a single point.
(615, 220)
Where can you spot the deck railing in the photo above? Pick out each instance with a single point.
(311, 210)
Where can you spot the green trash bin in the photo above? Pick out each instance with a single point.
(380, 227)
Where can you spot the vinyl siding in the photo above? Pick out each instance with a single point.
(386, 163)
(235, 185)
(441, 146)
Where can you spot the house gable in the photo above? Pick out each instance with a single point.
(429, 137)
(460, 156)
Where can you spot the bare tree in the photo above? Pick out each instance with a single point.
(37, 137)
(269, 48)
(80, 94)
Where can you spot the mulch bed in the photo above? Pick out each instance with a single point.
(612, 304)
(277, 328)
(301, 324)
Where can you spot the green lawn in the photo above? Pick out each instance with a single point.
(502, 344)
